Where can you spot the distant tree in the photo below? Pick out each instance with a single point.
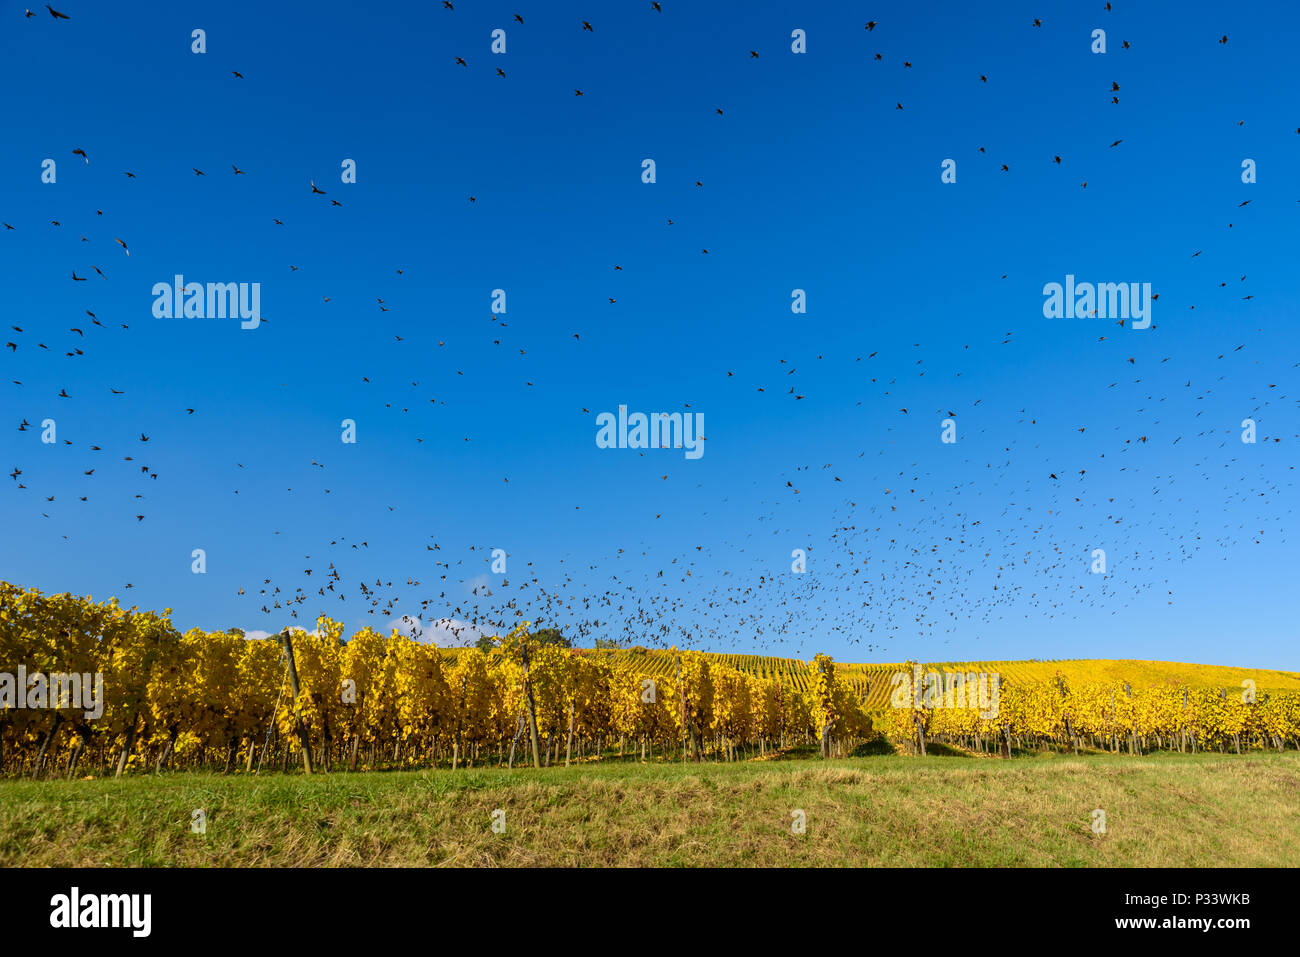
(550, 636)
(606, 643)
(485, 643)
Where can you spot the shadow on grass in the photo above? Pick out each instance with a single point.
(877, 748)
(937, 749)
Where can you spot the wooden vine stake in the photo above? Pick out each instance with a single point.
(568, 745)
(293, 687)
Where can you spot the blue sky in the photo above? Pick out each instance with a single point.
(812, 179)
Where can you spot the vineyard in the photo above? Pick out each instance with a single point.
(222, 701)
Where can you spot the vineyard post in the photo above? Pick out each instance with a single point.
(165, 753)
(45, 744)
(1182, 725)
(126, 748)
(681, 695)
(293, 687)
(1132, 735)
(825, 700)
(76, 754)
(1064, 691)
(455, 750)
(1114, 728)
(519, 729)
(532, 708)
(568, 744)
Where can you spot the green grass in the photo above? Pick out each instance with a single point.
(1162, 810)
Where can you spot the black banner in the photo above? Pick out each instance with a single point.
(338, 906)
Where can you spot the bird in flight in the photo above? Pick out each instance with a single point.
(63, 16)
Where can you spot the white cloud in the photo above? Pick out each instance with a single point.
(258, 633)
(443, 632)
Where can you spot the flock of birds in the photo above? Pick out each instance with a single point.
(912, 553)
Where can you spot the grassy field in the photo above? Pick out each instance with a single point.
(1163, 810)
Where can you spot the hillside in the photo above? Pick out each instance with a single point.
(873, 680)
